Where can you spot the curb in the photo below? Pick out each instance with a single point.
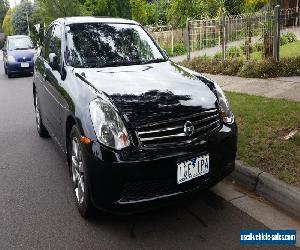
(278, 192)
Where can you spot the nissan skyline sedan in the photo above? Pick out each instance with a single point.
(137, 129)
(18, 55)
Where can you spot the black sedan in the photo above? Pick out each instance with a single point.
(136, 128)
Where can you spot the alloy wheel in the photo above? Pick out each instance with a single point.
(77, 171)
(37, 114)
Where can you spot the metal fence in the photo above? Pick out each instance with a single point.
(252, 36)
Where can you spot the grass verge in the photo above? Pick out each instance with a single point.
(286, 51)
(263, 123)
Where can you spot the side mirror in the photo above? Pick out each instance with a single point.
(53, 61)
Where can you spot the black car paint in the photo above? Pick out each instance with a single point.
(140, 93)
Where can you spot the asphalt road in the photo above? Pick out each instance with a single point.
(37, 208)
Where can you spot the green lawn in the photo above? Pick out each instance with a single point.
(263, 122)
(288, 50)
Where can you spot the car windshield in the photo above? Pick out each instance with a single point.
(93, 45)
(19, 43)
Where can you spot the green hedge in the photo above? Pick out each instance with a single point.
(179, 49)
(267, 68)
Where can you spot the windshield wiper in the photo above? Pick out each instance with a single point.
(116, 64)
(21, 48)
(157, 60)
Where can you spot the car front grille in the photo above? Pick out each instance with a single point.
(172, 131)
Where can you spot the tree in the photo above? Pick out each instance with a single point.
(96, 7)
(157, 11)
(6, 25)
(151, 13)
(180, 10)
(234, 7)
(255, 5)
(138, 8)
(53, 9)
(215, 7)
(19, 17)
(113, 8)
(4, 6)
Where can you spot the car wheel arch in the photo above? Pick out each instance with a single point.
(70, 122)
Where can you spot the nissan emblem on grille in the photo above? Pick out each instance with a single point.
(189, 128)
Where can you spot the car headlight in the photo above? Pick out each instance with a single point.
(11, 59)
(226, 112)
(109, 127)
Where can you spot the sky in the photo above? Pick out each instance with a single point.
(12, 3)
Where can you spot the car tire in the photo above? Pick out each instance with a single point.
(9, 75)
(42, 131)
(79, 174)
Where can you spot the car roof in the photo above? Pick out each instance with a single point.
(89, 19)
(17, 36)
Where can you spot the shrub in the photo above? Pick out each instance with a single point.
(259, 69)
(287, 38)
(283, 40)
(251, 49)
(291, 37)
(178, 50)
(234, 52)
(218, 55)
(290, 66)
(266, 68)
(214, 66)
(258, 46)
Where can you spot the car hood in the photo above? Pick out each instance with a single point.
(18, 54)
(151, 92)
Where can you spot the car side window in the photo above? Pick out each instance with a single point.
(45, 48)
(55, 42)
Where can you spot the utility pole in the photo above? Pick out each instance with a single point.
(28, 24)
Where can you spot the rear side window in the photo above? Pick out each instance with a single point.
(52, 42)
(55, 41)
(45, 48)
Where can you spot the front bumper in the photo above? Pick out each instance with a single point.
(16, 67)
(136, 179)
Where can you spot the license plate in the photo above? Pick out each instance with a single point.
(24, 65)
(193, 168)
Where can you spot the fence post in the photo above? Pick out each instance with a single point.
(276, 39)
(188, 45)
(172, 39)
(223, 37)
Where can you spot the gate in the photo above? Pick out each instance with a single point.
(247, 36)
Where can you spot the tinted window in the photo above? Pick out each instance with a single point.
(55, 41)
(19, 43)
(46, 43)
(103, 44)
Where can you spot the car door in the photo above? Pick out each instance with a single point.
(53, 85)
(41, 65)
